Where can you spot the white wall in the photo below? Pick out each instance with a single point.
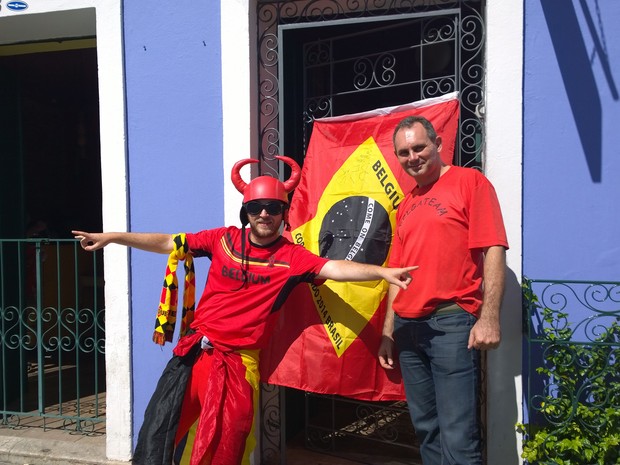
(238, 71)
(503, 166)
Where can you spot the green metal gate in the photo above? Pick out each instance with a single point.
(572, 372)
(52, 336)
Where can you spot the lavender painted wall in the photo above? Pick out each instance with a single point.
(174, 137)
(571, 164)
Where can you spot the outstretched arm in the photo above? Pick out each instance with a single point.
(345, 270)
(151, 242)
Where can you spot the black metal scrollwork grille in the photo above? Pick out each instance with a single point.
(446, 55)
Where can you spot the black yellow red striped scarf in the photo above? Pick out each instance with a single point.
(167, 310)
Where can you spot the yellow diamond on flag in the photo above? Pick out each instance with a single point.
(354, 220)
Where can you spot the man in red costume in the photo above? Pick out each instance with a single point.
(451, 225)
(202, 411)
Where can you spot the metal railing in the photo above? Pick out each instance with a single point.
(52, 336)
(573, 372)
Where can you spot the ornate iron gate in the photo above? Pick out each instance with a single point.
(319, 58)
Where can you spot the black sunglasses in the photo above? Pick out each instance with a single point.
(255, 208)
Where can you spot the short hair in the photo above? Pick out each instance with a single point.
(409, 121)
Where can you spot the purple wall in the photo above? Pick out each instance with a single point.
(571, 220)
(174, 118)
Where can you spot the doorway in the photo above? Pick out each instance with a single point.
(56, 291)
(56, 110)
(320, 61)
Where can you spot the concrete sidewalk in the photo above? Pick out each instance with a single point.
(22, 447)
(33, 446)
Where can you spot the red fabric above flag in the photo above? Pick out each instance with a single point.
(327, 337)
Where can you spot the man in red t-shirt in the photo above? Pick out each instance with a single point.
(450, 225)
(202, 411)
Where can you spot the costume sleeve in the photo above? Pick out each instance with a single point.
(306, 263)
(204, 242)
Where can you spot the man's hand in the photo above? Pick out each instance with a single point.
(386, 351)
(91, 241)
(484, 335)
(399, 276)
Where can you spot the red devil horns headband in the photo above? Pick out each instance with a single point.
(265, 187)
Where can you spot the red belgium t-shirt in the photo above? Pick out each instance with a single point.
(237, 310)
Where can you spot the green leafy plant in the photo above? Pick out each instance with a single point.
(580, 403)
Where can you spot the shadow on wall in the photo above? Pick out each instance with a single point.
(505, 369)
(576, 69)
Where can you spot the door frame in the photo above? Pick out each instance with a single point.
(54, 19)
(503, 111)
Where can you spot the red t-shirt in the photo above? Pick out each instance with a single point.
(238, 315)
(443, 229)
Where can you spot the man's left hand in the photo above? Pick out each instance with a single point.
(484, 335)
